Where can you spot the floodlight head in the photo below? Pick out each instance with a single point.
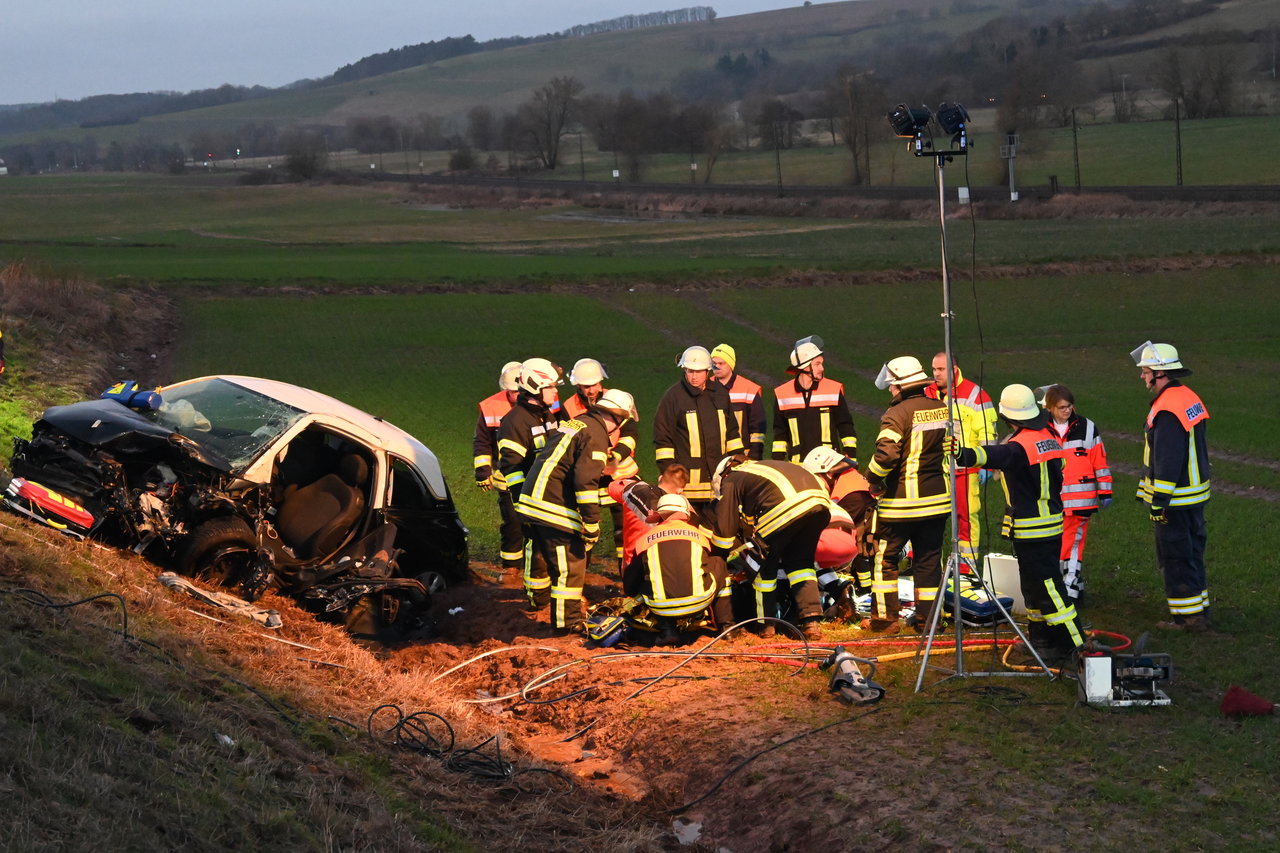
(909, 122)
(952, 118)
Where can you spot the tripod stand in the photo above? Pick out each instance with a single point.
(951, 576)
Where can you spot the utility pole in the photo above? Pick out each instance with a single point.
(1075, 146)
(1177, 133)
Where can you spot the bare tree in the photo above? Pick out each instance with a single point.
(482, 127)
(546, 115)
(1205, 80)
(857, 102)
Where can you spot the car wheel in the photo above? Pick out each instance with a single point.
(435, 582)
(221, 551)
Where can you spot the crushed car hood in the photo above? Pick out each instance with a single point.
(109, 425)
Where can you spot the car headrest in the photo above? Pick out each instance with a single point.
(353, 470)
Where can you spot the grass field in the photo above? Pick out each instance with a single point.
(422, 361)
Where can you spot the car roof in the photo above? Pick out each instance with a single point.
(382, 434)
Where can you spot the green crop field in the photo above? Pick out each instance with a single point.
(565, 282)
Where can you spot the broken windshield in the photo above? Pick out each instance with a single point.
(227, 419)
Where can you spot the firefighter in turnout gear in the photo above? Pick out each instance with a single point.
(851, 495)
(784, 508)
(485, 448)
(908, 478)
(810, 411)
(745, 399)
(1086, 480)
(1030, 460)
(1175, 485)
(977, 427)
(674, 572)
(560, 501)
(588, 376)
(693, 425)
(522, 432)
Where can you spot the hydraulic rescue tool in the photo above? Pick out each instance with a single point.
(847, 679)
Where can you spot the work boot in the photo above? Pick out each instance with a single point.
(1198, 624)
(765, 631)
(811, 629)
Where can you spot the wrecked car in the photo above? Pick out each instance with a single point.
(256, 484)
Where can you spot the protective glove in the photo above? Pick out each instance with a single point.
(484, 485)
(1158, 516)
(1104, 501)
(984, 475)
(590, 535)
(950, 445)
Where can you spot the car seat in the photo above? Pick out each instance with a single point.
(316, 519)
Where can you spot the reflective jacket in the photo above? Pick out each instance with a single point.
(563, 487)
(622, 462)
(667, 572)
(765, 497)
(1175, 451)
(521, 434)
(805, 419)
(694, 427)
(747, 403)
(485, 445)
(907, 468)
(974, 410)
(1031, 460)
(1086, 479)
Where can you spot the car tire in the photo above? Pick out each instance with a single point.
(434, 581)
(222, 551)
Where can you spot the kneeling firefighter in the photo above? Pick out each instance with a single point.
(1031, 460)
(786, 508)
(674, 573)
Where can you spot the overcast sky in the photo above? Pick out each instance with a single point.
(75, 48)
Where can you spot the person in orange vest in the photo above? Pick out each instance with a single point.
(1030, 460)
(674, 572)
(810, 410)
(977, 426)
(1086, 480)
(1175, 485)
(485, 449)
(587, 376)
(640, 500)
(745, 399)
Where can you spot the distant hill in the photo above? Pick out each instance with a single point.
(921, 51)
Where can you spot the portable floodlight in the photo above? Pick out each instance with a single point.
(954, 119)
(909, 122)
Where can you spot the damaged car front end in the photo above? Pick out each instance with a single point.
(255, 484)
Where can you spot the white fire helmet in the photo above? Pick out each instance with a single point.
(620, 404)
(1018, 403)
(674, 505)
(509, 377)
(539, 373)
(695, 358)
(1157, 357)
(804, 351)
(903, 370)
(587, 371)
(823, 459)
(726, 465)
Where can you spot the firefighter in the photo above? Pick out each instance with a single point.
(560, 501)
(810, 410)
(851, 495)
(485, 448)
(907, 476)
(1030, 460)
(640, 501)
(693, 425)
(1086, 480)
(976, 427)
(522, 432)
(784, 509)
(588, 376)
(674, 572)
(745, 399)
(1175, 485)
